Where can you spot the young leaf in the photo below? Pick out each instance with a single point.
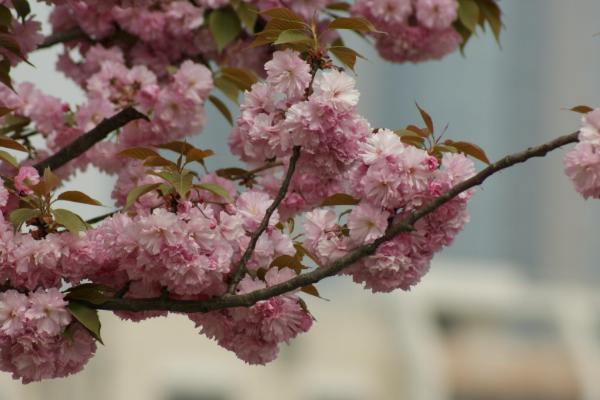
(158, 161)
(358, 24)
(198, 155)
(137, 192)
(340, 199)
(339, 6)
(346, 55)
(247, 13)
(227, 87)
(581, 109)
(90, 292)
(469, 149)
(22, 8)
(5, 16)
(283, 13)
(289, 262)
(218, 103)
(12, 144)
(138, 153)
(312, 290)
(243, 78)
(21, 215)
(215, 189)
(292, 36)
(182, 183)
(493, 15)
(468, 14)
(9, 158)
(426, 118)
(231, 173)
(225, 26)
(88, 317)
(71, 221)
(177, 146)
(78, 197)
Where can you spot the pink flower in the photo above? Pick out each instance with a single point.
(13, 306)
(367, 223)
(288, 73)
(25, 179)
(436, 14)
(336, 88)
(252, 207)
(47, 311)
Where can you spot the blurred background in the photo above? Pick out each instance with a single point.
(510, 312)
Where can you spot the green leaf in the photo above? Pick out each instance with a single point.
(218, 103)
(493, 15)
(581, 109)
(88, 317)
(78, 197)
(5, 74)
(227, 87)
(21, 215)
(182, 183)
(340, 199)
(468, 14)
(12, 144)
(242, 78)
(5, 16)
(22, 8)
(138, 153)
(137, 192)
(292, 36)
(247, 13)
(357, 24)
(339, 6)
(71, 221)
(90, 292)
(215, 189)
(225, 26)
(9, 158)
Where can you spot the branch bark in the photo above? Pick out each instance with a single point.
(62, 37)
(249, 299)
(241, 268)
(89, 139)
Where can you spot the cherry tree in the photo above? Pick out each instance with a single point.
(221, 246)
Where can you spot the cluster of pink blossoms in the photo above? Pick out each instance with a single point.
(392, 179)
(281, 113)
(416, 30)
(174, 106)
(582, 163)
(38, 339)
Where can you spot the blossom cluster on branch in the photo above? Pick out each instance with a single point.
(185, 236)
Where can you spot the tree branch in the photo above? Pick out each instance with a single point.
(241, 268)
(89, 139)
(62, 37)
(249, 299)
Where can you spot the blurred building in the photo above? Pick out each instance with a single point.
(461, 335)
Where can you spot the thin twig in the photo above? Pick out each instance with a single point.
(89, 139)
(249, 299)
(240, 270)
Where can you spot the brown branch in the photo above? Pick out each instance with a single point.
(241, 267)
(249, 299)
(62, 37)
(89, 139)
